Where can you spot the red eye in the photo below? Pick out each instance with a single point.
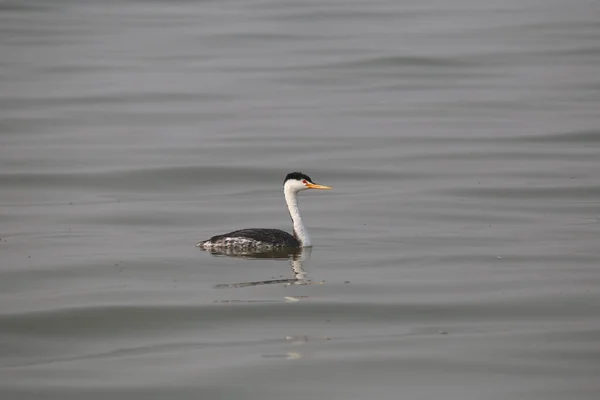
(303, 180)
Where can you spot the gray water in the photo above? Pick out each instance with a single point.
(457, 256)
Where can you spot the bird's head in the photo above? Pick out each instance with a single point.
(297, 181)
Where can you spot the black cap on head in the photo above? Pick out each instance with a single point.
(297, 176)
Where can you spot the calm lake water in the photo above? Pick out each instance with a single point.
(457, 256)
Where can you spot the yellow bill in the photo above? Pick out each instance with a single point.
(315, 186)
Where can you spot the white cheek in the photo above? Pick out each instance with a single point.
(296, 186)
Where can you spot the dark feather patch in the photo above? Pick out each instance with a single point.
(297, 176)
(266, 238)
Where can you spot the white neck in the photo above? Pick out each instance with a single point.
(300, 233)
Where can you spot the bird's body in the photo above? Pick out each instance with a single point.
(268, 239)
(244, 239)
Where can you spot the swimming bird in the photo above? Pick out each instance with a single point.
(266, 239)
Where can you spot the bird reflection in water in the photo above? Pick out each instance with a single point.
(296, 257)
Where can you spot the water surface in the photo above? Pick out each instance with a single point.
(457, 256)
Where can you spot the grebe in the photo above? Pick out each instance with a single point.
(264, 239)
